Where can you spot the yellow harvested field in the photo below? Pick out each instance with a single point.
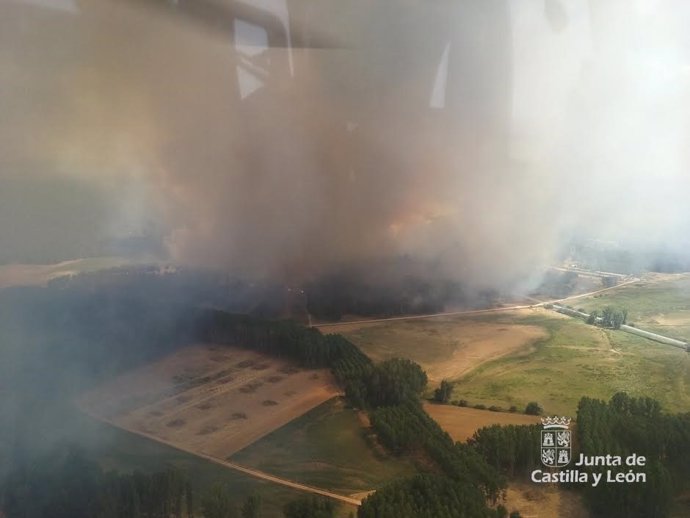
(462, 422)
(445, 347)
(482, 342)
(212, 400)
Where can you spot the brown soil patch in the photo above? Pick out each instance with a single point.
(462, 422)
(544, 501)
(197, 398)
(479, 342)
(447, 347)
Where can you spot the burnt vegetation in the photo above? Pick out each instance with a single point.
(358, 292)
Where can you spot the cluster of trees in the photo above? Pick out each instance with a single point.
(428, 496)
(404, 428)
(533, 408)
(391, 382)
(282, 338)
(66, 484)
(443, 393)
(391, 390)
(408, 428)
(310, 507)
(510, 449)
(97, 327)
(366, 385)
(622, 426)
(219, 503)
(627, 425)
(608, 317)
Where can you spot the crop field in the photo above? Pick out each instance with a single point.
(213, 400)
(462, 422)
(445, 347)
(330, 447)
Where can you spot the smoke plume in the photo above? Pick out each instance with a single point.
(299, 138)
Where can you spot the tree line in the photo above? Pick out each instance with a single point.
(65, 483)
(626, 425)
(622, 426)
(391, 392)
(428, 496)
(471, 474)
(512, 449)
(281, 338)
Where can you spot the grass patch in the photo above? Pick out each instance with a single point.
(660, 305)
(125, 452)
(571, 361)
(579, 360)
(327, 447)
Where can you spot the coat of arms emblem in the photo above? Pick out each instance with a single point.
(556, 442)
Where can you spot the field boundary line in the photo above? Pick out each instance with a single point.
(234, 466)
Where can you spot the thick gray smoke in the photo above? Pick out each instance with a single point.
(301, 137)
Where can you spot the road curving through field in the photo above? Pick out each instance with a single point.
(237, 467)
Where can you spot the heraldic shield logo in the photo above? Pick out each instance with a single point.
(556, 442)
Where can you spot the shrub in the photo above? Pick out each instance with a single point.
(533, 408)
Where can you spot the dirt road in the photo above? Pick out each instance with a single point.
(237, 467)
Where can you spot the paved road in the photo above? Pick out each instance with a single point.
(237, 467)
(681, 344)
(475, 311)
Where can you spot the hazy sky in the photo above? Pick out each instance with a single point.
(479, 135)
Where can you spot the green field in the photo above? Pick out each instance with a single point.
(572, 361)
(125, 452)
(329, 448)
(580, 360)
(661, 306)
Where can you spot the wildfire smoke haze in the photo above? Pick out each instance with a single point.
(294, 139)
